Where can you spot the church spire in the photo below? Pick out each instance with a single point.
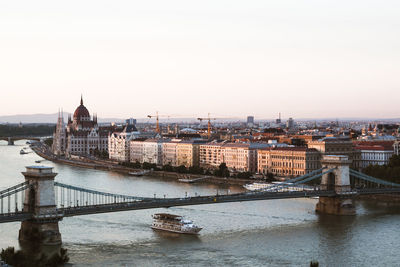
(81, 100)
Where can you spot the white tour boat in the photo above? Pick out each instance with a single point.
(174, 223)
(277, 186)
(257, 186)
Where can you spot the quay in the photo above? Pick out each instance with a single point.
(43, 151)
(193, 180)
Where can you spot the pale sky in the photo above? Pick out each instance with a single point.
(311, 58)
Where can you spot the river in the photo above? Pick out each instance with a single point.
(256, 233)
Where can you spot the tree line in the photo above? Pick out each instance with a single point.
(389, 172)
(26, 130)
(221, 171)
(21, 258)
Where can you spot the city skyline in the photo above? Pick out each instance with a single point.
(306, 59)
(196, 133)
(52, 118)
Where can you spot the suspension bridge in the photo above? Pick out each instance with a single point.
(40, 202)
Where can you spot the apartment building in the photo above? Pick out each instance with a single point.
(375, 152)
(188, 153)
(118, 143)
(210, 155)
(153, 151)
(169, 152)
(288, 161)
(240, 157)
(136, 150)
(236, 156)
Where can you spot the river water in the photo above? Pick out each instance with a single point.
(257, 233)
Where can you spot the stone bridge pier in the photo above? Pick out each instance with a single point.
(339, 181)
(42, 227)
(10, 141)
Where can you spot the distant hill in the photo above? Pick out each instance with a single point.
(45, 118)
(52, 118)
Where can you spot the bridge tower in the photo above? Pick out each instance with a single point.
(10, 141)
(42, 227)
(338, 181)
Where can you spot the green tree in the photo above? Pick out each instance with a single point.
(49, 142)
(394, 161)
(167, 168)
(244, 175)
(181, 169)
(104, 154)
(270, 177)
(390, 172)
(26, 130)
(148, 166)
(222, 171)
(21, 259)
(196, 170)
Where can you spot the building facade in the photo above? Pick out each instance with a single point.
(375, 152)
(238, 157)
(396, 148)
(288, 161)
(210, 155)
(170, 152)
(153, 151)
(136, 150)
(119, 143)
(59, 136)
(337, 146)
(188, 154)
(82, 136)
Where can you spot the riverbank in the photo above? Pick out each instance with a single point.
(43, 151)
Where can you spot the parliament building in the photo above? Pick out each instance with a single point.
(82, 136)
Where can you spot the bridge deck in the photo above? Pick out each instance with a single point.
(173, 202)
(15, 217)
(199, 200)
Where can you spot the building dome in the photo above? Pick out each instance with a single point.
(81, 112)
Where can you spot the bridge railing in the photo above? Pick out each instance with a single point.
(12, 199)
(74, 196)
(69, 197)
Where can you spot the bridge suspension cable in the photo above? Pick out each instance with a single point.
(304, 176)
(12, 199)
(298, 180)
(303, 181)
(73, 196)
(368, 178)
(14, 188)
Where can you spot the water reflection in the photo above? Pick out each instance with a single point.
(165, 236)
(256, 233)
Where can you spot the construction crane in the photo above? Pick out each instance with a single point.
(209, 124)
(157, 116)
